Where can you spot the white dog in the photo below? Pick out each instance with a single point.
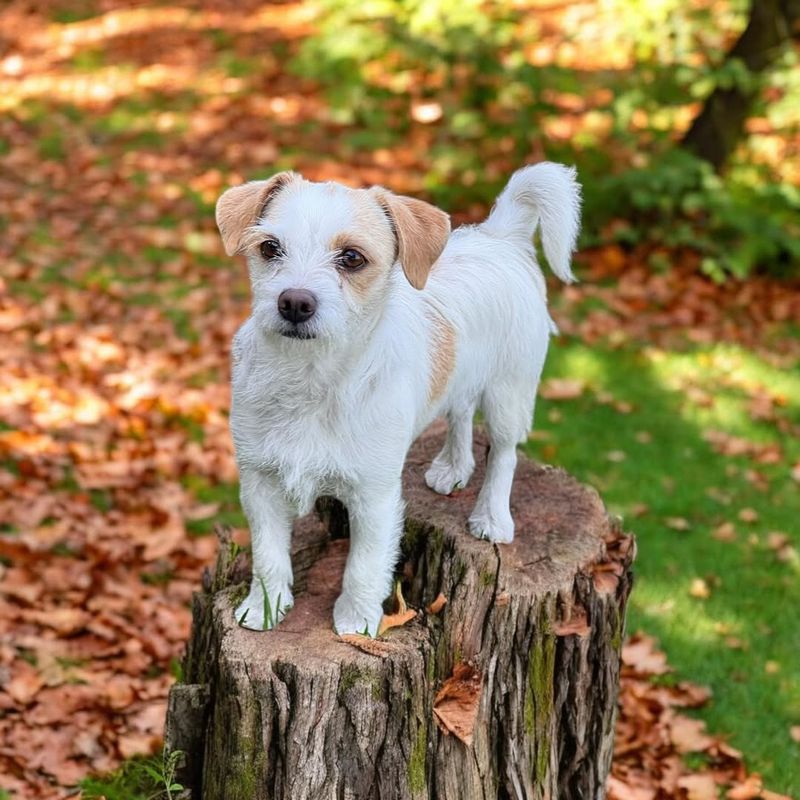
(369, 319)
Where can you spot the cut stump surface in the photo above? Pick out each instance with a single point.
(509, 691)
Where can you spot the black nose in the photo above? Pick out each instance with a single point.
(297, 305)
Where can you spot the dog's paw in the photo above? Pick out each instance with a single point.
(497, 528)
(264, 607)
(352, 617)
(445, 478)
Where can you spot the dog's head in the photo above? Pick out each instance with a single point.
(322, 255)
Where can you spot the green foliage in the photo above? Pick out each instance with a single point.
(739, 224)
(138, 779)
(490, 105)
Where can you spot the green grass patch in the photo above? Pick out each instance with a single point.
(226, 494)
(137, 779)
(653, 465)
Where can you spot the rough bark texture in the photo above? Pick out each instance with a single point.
(297, 714)
(719, 126)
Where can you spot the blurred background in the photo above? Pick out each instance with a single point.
(674, 387)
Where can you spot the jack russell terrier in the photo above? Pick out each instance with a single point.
(369, 319)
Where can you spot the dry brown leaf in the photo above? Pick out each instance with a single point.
(750, 789)
(677, 523)
(605, 582)
(396, 620)
(373, 647)
(456, 704)
(700, 589)
(794, 733)
(437, 605)
(24, 684)
(576, 625)
(561, 389)
(701, 786)
(748, 515)
(688, 735)
(641, 654)
(724, 532)
(777, 540)
(620, 790)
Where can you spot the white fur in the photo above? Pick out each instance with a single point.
(337, 414)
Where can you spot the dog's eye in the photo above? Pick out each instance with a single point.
(352, 259)
(270, 248)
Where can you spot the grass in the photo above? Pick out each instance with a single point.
(742, 640)
(137, 779)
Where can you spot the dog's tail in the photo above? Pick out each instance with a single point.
(545, 195)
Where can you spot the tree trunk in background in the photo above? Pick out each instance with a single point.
(508, 691)
(719, 126)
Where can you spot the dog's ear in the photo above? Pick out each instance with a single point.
(422, 231)
(242, 206)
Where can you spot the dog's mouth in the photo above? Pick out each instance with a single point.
(296, 333)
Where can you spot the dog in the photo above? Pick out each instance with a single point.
(369, 319)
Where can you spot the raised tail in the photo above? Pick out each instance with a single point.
(545, 195)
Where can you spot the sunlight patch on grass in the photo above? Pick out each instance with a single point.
(718, 605)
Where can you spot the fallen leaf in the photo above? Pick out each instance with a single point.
(605, 582)
(395, 620)
(576, 625)
(456, 704)
(701, 786)
(688, 735)
(640, 653)
(561, 389)
(373, 647)
(794, 733)
(25, 683)
(777, 540)
(725, 532)
(748, 515)
(437, 605)
(677, 523)
(700, 589)
(401, 615)
(749, 789)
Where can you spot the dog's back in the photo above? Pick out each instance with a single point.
(488, 284)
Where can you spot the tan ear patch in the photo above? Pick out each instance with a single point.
(422, 231)
(442, 355)
(241, 206)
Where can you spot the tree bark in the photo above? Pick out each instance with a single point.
(719, 126)
(509, 691)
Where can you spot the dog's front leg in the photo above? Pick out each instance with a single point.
(376, 524)
(270, 517)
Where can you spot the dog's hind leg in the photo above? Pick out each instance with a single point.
(508, 410)
(452, 468)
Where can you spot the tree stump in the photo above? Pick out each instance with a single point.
(508, 691)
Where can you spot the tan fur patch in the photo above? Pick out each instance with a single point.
(242, 206)
(443, 355)
(374, 242)
(422, 232)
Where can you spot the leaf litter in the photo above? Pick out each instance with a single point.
(116, 319)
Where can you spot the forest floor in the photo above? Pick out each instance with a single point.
(674, 396)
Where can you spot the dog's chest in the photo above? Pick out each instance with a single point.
(304, 438)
